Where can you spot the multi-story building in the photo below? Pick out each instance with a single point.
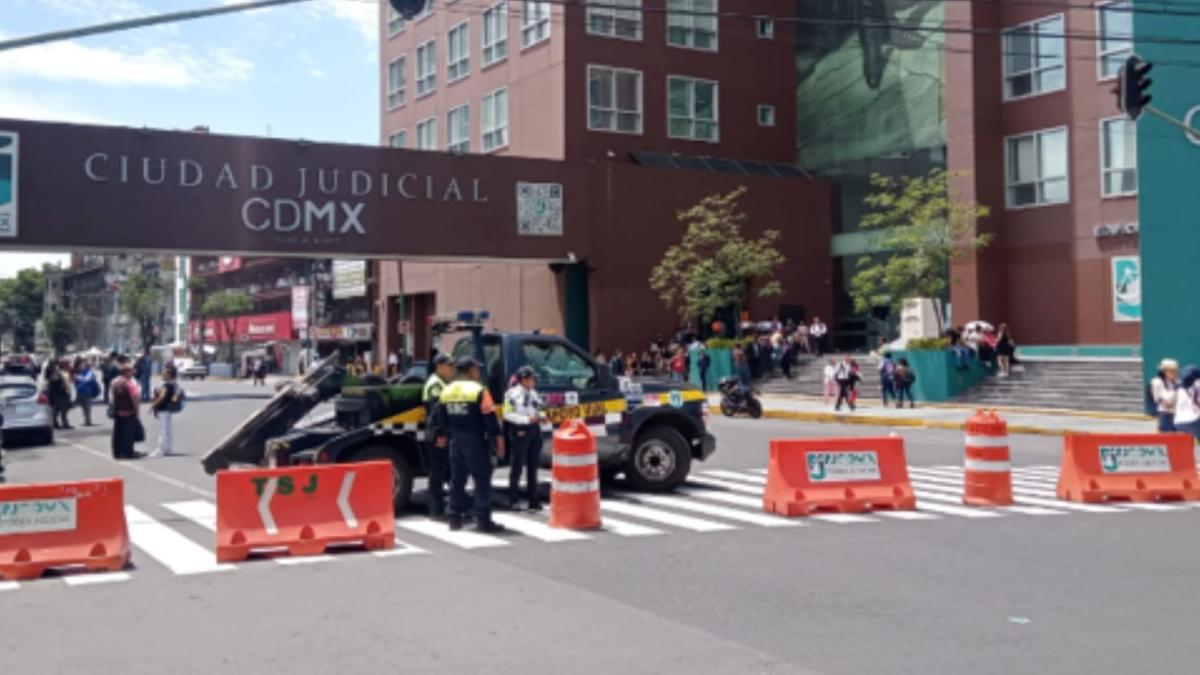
(668, 99)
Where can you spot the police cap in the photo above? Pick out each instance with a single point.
(524, 372)
(442, 358)
(465, 363)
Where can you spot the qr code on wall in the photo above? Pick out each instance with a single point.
(540, 209)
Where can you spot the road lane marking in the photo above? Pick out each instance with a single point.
(942, 493)
(961, 511)
(722, 496)
(843, 518)
(734, 475)
(1033, 500)
(401, 548)
(762, 519)
(537, 530)
(9, 586)
(726, 485)
(624, 528)
(96, 578)
(907, 515)
(441, 531)
(175, 551)
(131, 464)
(198, 511)
(664, 517)
(302, 559)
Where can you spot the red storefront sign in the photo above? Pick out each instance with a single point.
(228, 264)
(251, 328)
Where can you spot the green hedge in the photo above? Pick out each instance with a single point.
(932, 344)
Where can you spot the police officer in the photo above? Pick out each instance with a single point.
(522, 412)
(466, 416)
(436, 458)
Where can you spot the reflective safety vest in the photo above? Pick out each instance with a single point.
(433, 389)
(466, 411)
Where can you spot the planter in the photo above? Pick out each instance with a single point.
(720, 365)
(937, 378)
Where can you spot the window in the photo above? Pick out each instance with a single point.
(535, 22)
(692, 23)
(1033, 58)
(398, 139)
(614, 100)
(1119, 169)
(557, 367)
(1036, 168)
(766, 115)
(615, 18)
(693, 109)
(395, 87)
(458, 52)
(764, 27)
(426, 11)
(458, 129)
(493, 120)
(395, 23)
(426, 68)
(495, 33)
(427, 134)
(1116, 36)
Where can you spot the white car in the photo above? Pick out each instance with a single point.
(26, 412)
(189, 369)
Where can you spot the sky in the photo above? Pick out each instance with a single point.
(286, 72)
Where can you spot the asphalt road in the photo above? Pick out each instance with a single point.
(1044, 590)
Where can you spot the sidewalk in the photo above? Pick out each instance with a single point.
(946, 416)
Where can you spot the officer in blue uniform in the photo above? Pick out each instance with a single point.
(436, 458)
(466, 420)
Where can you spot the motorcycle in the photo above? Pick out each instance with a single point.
(735, 400)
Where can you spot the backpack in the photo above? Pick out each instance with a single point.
(178, 401)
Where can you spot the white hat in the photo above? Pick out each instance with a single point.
(1168, 364)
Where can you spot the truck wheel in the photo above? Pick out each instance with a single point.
(660, 460)
(402, 472)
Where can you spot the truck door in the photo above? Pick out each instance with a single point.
(572, 387)
(493, 366)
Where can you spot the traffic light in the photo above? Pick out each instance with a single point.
(1132, 85)
(408, 8)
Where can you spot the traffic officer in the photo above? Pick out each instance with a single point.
(466, 416)
(436, 458)
(522, 416)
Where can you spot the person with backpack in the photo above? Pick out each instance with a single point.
(905, 377)
(1187, 403)
(1162, 393)
(87, 388)
(887, 377)
(845, 377)
(168, 400)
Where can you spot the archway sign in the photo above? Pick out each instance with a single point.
(75, 187)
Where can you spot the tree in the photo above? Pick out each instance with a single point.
(714, 266)
(62, 326)
(921, 228)
(143, 299)
(226, 306)
(22, 301)
(197, 286)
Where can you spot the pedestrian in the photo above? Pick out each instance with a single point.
(887, 377)
(802, 343)
(617, 364)
(522, 424)
(788, 359)
(962, 353)
(819, 331)
(741, 367)
(393, 364)
(437, 457)
(905, 377)
(1005, 348)
(857, 370)
(55, 387)
(87, 388)
(1187, 403)
(143, 369)
(703, 362)
(1164, 390)
(466, 420)
(168, 400)
(260, 372)
(679, 366)
(127, 428)
(830, 380)
(109, 372)
(844, 375)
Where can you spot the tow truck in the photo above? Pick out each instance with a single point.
(651, 431)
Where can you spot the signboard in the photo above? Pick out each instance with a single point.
(300, 298)
(1127, 289)
(251, 328)
(38, 515)
(540, 209)
(352, 332)
(842, 466)
(1134, 459)
(228, 264)
(349, 278)
(8, 185)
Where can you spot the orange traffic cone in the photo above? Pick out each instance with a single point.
(987, 470)
(575, 490)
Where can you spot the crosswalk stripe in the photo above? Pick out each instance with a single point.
(762, 519)
(537, 530)
(440, 531)
(961, 511)
(907, 515)
(734, 475)
(200, 512)
(727, 485)
(9, 586)
(1034, 490)
(722, 496)
(761, 472)
(624, 528)
(1033, 500)
(401, 548)
(89, 579)
(664, 517)
(293, 560)
(843, 518)
(175, 551)
(942, 493)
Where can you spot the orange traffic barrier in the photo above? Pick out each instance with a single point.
(840, 475)
(987, 465)
(1128, 467)
(304, 508)
(575, 489)
(61, 525)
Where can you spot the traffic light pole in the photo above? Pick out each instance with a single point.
(140, 22)
(1193, 133)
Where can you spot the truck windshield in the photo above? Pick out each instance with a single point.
(557, 366)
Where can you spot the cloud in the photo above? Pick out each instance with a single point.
(363, 16)
(95, 10)
(172, 66)
(41, 106)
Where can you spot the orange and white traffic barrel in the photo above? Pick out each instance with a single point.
(987, 469)
(575, 488)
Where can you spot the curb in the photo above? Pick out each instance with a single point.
(884, 421)
(1061, 412)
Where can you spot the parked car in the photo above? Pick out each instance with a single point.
(189, 369)
(26, 412)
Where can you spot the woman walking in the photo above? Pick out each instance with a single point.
(905, 377)
(57, 391)
(87, 388)
(1164, 389)
(165, 405)
(127, 428)
(1005, 348)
